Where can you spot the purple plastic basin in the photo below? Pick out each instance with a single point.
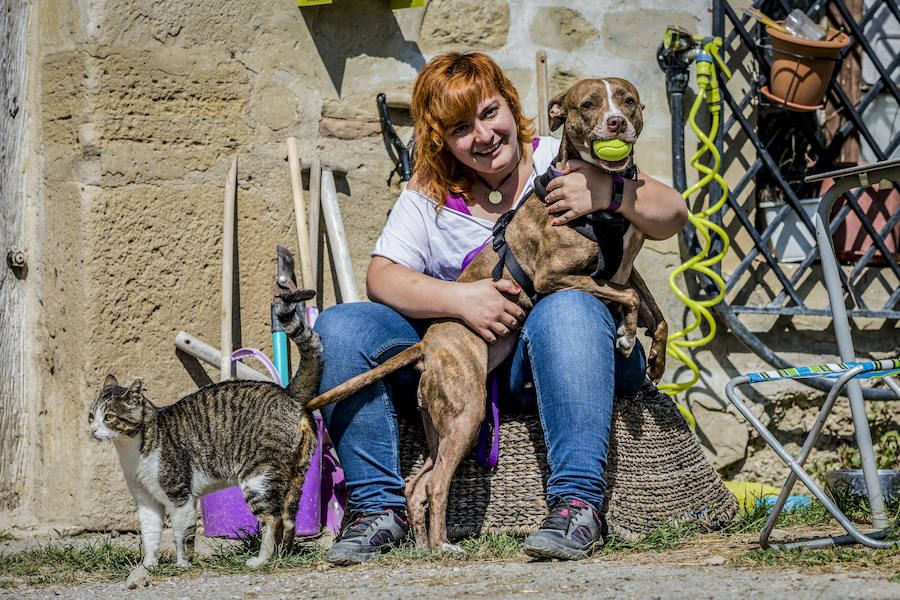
(225, 514)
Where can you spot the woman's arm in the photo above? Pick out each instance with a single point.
(480, 304)
(655, 208)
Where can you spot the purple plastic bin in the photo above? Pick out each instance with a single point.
(334, 492)
(226, 514)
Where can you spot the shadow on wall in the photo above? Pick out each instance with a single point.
(349, 28)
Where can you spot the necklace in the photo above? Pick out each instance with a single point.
(495, 197)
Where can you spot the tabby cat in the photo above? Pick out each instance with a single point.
(257, 435)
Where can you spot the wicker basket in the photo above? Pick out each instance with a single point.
(656, 471)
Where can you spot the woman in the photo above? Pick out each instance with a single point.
(475, 159)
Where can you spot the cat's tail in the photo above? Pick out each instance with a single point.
(412, 354)
(305, 382)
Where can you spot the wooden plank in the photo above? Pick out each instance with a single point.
(18, 443)
(543, 126)
(850, 78)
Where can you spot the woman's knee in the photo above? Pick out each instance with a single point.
(570, 313)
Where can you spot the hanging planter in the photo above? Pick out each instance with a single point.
(802, 69)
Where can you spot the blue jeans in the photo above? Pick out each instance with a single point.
(565, 365)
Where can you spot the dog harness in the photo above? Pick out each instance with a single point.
(604, 228)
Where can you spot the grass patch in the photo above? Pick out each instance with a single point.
(56, 563)
(754, 519)
(856, 556)
(491, 546)
(6, 535)
(102, 560)
(665, 537)
(854, 506)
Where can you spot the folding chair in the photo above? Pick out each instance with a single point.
(847, 375)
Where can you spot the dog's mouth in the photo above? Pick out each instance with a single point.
(613, 163)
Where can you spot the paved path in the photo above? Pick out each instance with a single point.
(597, 578)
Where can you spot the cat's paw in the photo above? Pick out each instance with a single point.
(448, 548)
(255, 562)
(139, 577)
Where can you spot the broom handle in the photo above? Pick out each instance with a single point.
(225, 368)
(306, 271)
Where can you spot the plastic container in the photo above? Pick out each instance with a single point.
(791, 241)
(799, 25)
(225, 514)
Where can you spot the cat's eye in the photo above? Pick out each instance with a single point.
(90, 416)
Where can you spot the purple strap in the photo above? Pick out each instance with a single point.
(248, 352)
(489, 462)
(457, 203)
(471, 255)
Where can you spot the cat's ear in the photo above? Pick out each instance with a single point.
(110, 381)
(136, 391)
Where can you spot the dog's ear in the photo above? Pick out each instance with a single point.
(556, 111)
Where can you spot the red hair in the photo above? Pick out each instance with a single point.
(447, 91)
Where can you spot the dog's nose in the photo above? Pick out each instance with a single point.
(616, 124)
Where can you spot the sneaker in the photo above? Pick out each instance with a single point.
(367, 535)
(572, 530)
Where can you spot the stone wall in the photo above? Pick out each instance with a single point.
(142, 106)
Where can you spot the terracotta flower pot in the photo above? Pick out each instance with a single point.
(850, 239)
(802, 69)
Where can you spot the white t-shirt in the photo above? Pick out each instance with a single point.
(436, 242)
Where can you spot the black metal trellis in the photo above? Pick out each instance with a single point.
(787, 287)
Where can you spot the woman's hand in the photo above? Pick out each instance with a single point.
(482, 306)
(581, 189)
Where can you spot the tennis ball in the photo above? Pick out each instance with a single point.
(611, 150)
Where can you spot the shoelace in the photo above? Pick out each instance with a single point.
(557, 520)
(359, 525)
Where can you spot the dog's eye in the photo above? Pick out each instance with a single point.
(587, 105)
(629, 100)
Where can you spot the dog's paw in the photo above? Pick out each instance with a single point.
(184, 564)
(625, 343)
(139, 577)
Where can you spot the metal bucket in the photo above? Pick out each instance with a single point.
(853, 481)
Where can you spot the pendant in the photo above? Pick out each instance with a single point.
(495, 197)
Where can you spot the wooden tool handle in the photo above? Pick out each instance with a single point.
(306, 270)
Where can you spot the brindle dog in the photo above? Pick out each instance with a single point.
(453, 359)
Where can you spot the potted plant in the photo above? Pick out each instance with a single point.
(802, 68)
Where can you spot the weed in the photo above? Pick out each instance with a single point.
(665, 537)
(6, 535)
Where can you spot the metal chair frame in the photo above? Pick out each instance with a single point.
(847, 373)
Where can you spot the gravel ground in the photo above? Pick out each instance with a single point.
(699, 568)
